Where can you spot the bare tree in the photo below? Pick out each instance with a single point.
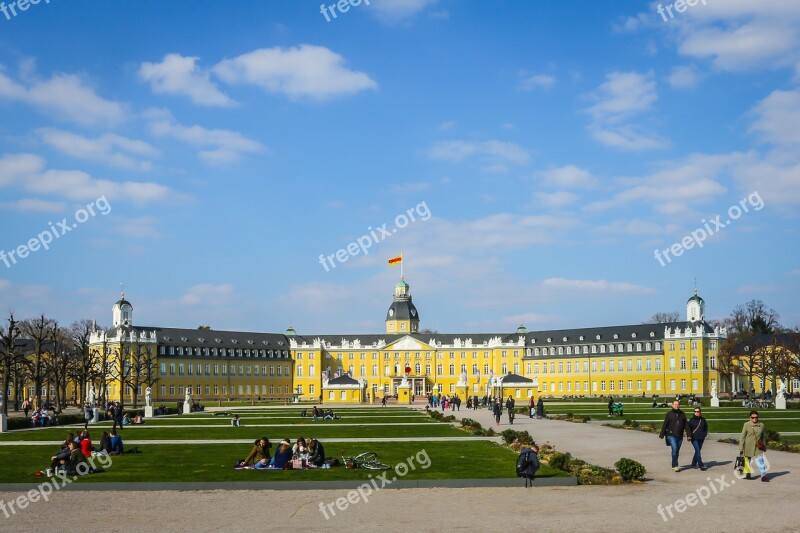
(84, 365)
(9, 359)
(40, 331)
(662, 317)
(59, 363)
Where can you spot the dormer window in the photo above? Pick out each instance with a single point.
(633, 335)
(616, 336)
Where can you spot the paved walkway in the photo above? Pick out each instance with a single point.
(689, 501)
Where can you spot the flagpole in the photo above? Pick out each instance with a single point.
(401, 265)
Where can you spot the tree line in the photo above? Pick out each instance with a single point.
(40, 353)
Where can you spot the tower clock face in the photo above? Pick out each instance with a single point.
(391, 312)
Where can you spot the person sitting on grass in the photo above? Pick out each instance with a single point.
(235, 422)
(62, 456)
(76, 458)
(259, 455)
(283, 455)
(86, 444)
(314, 412)
(105, 443)
(329, 415)
(116, 444)
(300, 446)
(317, 453)
(126, 419)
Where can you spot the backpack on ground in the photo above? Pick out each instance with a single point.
(527, 465)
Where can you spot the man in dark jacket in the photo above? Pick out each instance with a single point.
(673, 428)
(510, 409)
(117, 415)
(497, 410)
(317, 457)
(698, 426)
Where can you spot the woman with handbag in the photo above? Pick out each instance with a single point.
(752, 444)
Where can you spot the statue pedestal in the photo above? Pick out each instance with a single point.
(3, 423)
(714, 402)
(95, 415)
(404, 394)
(187, 408)
(780, 402)
(148, 411)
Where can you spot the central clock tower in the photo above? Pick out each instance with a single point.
(402, 316)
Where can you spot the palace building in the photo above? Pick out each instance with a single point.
(641, 359)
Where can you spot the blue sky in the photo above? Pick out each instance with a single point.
(545, 149)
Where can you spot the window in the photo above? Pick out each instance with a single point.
(622, 385)
(311, 389)
(638, 384)
(647, 365)
(504, 369)
(658, 347)
(594, 366)
(638, 365)
(694, 362)
(603, 366)
(163, 369)
(694, 384)
(311, 371)
(560, 367)
(569, 367)
(610, 366)
(672, 384)
(180, 369)
(649, 385)
(208, 370)
(172, 390)
(163, 390)
(374, 371)
(683, 384)
(610, 384)
(602, 385)
(586, 366)
(658, 365)
(683, 363)
(299, 371)
(452, 369)
(712, 362)
(224, 371)
(630, 365)
(683, 346)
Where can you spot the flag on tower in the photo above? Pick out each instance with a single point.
(396, 260)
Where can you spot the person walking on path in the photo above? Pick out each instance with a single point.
(540, 408)
(498, 412)
(510, 409)
(698, 425)
(117, 415)
(610, 406)
(87, 416)
(752, 444)
(673, 428)
(532, 407)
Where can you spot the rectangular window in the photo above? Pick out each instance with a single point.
(658, 365)
(683, 364)
(658, 385)
(712, 362)
(224, 371)
(611, 384)
(694, 384)
(672, 384)
(163, 390)
(683, 384)
(163, 369)
(638, 365)
(180, 369)
(694, 362)
(638, 384)
(647, 365)
(602, 385)
(172, 390)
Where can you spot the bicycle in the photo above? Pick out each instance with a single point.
(368, 460)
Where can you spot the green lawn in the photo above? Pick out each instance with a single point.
(207, 463)
(720, 419)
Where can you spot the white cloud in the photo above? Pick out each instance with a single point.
(778, 118)
(692, 181)
(600, 285)
(28, 171)
(107, 149)
(568, 176)
(36, 205)
(620, 97)
(398, 10)
(306, 71)
(220, 146)
(448, 125)
(17, 167)
(493, 152)
(554, 199)
(203, 293)
(178, 74)
(539, 81)
(683, 77)
(66, 96)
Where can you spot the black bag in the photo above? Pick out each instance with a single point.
(738, 464)
(527, 465)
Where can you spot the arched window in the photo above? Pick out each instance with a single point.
(299, 371)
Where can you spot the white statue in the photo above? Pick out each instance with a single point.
(147, 399)
(91, 396)
(188, 398)
(714, 390)
(781, 391)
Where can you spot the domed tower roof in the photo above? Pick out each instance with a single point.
(522, 330)
(290, 332)
(402, 315)
(695, 308)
